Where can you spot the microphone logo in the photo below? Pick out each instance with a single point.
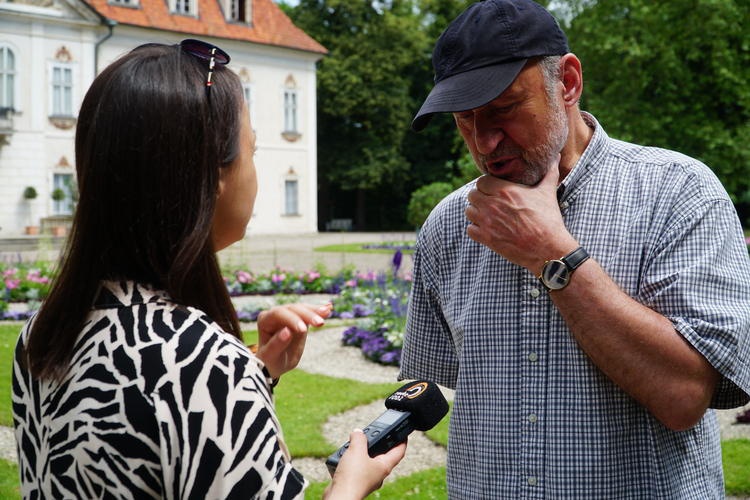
(410, 392)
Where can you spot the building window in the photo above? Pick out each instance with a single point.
(290, 111)
(126, 3)
(65, 183)
(291, 199)
(7, 78)
(291, 130)
(239, 11)
(62, 90)
(182, 6)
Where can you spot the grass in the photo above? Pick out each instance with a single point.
(9, 484)
(425, 485)
(8, 336)
(305, 401)
(360, 247)
(735, 455)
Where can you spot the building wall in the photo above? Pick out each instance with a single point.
(38, 149)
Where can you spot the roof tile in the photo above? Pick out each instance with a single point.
(270, 25)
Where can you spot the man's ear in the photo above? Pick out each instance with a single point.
(572, 79)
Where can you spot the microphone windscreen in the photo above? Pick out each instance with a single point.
(423, 400)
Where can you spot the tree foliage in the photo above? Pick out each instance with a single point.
(364, 105)
(370, 85)
(672, 74)
(424, 199)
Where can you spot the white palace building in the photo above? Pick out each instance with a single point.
(50, 51)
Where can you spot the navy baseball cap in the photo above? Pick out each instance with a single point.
(482, 51)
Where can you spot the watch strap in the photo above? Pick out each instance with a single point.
(575, 258)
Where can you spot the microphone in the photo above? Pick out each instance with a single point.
(414, 406)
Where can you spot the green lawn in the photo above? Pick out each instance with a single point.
(304, 402)
(359, 247)
(8, 336)
(735, 454)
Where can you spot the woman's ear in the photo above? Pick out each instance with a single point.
(222, 181)
(572, 79)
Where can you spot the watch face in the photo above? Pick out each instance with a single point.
(555, 274)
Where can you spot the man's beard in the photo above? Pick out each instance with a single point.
(538, 159)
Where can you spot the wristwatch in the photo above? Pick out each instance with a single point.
(556, 273)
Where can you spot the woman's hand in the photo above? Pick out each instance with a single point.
(282, 331)
(357, 474)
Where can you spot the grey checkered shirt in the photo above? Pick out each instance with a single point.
(533, 416)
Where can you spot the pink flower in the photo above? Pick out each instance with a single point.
(10, 284)
(278, 278)
(244, 277)
(312, 275)
(11, 271)
(368, 276)
(35, 276)
(351, 283)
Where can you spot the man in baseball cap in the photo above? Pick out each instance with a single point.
(482, 52)
(576, 295)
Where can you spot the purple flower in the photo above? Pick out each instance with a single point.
(248, 316)
(361, 311)
(397, 261)
(354, 336)
(374, 346)
(391, 357)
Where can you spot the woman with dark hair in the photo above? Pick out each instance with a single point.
(132, 380)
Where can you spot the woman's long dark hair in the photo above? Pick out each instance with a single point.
(149, 147)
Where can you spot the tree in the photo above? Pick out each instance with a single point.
(424, 199)
(672, 74)
(364, 105)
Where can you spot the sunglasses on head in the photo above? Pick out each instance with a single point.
(203, 51)
(206, 52)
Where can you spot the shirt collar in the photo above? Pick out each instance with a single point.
(587, 164)
(125, 293)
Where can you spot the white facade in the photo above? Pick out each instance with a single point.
(55, 46)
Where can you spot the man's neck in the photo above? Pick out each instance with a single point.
(579, 136)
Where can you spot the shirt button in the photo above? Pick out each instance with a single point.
(532, 418)
(531, 480)
(533, 357)
(564, 205)
(534, 292)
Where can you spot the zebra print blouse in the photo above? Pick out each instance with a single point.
(159, 402)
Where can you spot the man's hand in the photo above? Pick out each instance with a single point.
(521, 223)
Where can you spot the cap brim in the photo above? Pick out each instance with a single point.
(467, 90)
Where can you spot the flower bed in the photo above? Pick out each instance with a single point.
(380, 333)
(376, 300)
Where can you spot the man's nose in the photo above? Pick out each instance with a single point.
(487, 136)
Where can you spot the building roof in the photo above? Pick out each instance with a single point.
(270, 26)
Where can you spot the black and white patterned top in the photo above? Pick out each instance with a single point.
(159, 402)
(533, 417)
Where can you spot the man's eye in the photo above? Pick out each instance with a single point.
(504, 110)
